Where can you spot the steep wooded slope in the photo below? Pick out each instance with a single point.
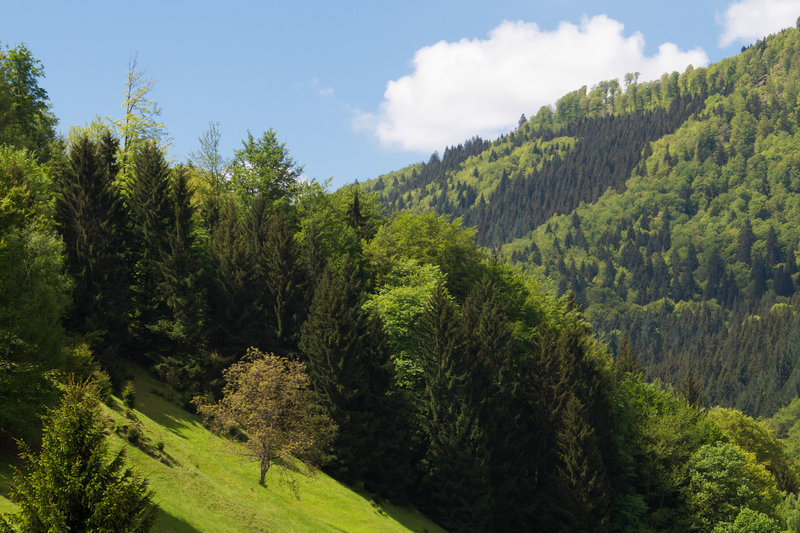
(670, 209)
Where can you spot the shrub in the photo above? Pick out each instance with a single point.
(129, 394)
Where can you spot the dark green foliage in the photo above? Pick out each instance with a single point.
(456, 477)
(180, 273)
(74, 483)
(625, 362)
(231, 306)
(92, 218)
(129, 395)
(570, 369)
(153, 220)
(280, 286)
(348, 366)
(583, 494)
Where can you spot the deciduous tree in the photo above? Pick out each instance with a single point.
(269, 398)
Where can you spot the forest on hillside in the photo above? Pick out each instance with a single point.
(668, 208)
(458, 382)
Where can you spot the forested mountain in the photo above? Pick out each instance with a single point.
(423, 368)
(669, 209)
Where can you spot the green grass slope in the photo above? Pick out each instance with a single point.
(201, 485)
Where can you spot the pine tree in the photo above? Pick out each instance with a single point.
(348, 368)
(457, 477)
(582, 499)
(153, 220)
(91, 217)
(71, 485)
(180, 273)
(745, 243)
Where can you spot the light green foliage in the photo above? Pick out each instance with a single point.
(140, 122)
(789, 512)
(25, 117)
(723, 480)
(400, 302)
(755, 437)
(264, 167)
(428, 239)
(210, 163)
(72, 484)
(33, 290)
(325, 231)
(657, 432)
(749, 521)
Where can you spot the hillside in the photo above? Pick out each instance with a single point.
(201, 486)
(669, 209)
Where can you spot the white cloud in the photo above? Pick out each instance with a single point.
(469, 87)
(752, 19)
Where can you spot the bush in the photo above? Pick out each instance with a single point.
(134, 434)
(129, 394)
(102, 382)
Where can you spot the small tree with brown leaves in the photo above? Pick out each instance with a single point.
(269, 398)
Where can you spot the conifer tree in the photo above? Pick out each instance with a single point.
(180, 272)
(745, 243)
(91, 218)
(72, 484)
(457, 478)
(286, 282)
(488, 350)
(153, 220)
(626, 361)
(279, 284)
(582, 499)
(347, 368)
(231, 306)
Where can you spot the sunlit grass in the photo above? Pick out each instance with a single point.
(201, 485)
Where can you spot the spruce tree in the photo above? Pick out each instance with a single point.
(153, 219)
(91, 217)
(286, 282)
(231, 306)
(180, 273)
(75, 483)
(456, 481)
(582, 497)
(280, 286)
(745, 243)
(348, 368)
(626, 362)
(489, 348)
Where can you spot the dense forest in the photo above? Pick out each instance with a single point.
(668, 209)
(459, 383)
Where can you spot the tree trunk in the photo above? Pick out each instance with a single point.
(264, 468)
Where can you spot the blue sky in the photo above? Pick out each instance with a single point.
(356, 89)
